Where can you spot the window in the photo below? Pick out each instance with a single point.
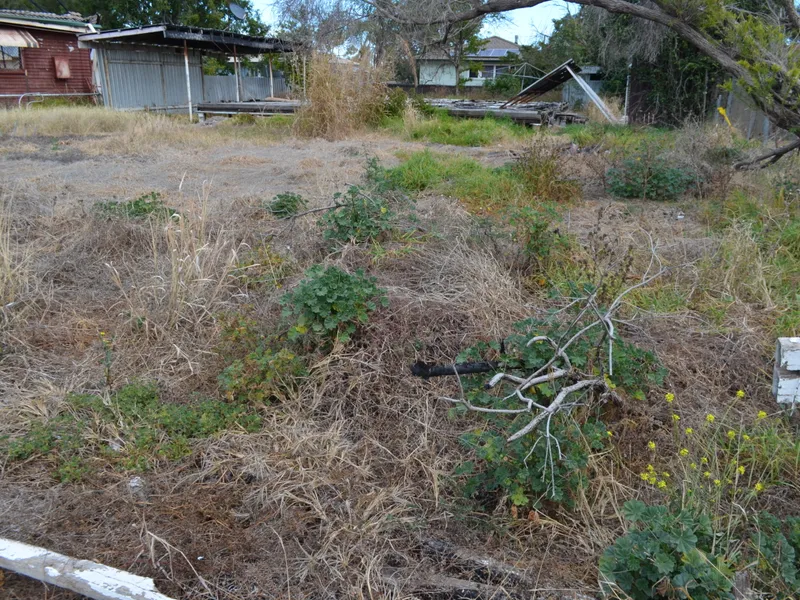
(9, 57)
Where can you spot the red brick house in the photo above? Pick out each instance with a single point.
(39, 53)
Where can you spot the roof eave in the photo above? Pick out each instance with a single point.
(78, 29)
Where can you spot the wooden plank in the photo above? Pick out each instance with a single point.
(787, 354)
(786, 386)
(283, 107)
(519, 116)
(85, 577)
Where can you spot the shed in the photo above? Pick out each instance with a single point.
(40, 55)
(160, 67)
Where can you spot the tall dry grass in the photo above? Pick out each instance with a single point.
(614, 105)
(77, 120)
(343, 98)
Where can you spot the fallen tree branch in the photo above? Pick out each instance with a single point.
(425, 370)
(85, 577)
(771, 157)
(313, 210)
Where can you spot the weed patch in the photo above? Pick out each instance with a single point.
(148, 205)
(444, 129)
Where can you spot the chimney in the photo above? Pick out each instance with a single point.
(516, 39)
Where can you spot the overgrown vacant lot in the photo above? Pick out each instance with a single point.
(206, 380)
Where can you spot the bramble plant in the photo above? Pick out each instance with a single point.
(330, 302)
(649, 179)
(142, 207)
(360, 217)
(665, 555)
(287, 204)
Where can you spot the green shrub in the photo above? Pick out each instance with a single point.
(142, 207)
(264, 375)
(287, 204)
(503, 86)
(535, 236)
(144, 430)
(665, 555)
(330, 302)
(395, 103)
(648, 179)
(360, 218)
(262, 267)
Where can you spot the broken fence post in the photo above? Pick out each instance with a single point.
(786, 376)
(91, 579)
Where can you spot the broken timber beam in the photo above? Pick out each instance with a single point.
(85, 577)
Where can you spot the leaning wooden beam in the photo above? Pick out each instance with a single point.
(91, 579)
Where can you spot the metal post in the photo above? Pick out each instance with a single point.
(593, 96)
(304, 78)
(236, 73)
(271, 89)
(627, 93)
(188, 78)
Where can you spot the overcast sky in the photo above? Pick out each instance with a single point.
(526, 23)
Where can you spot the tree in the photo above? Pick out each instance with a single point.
(755, 42)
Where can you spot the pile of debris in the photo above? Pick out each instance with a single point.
(528, 113)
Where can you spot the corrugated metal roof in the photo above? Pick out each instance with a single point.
(70, 18)
(548, 82)
(17, 38)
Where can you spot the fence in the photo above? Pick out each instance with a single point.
(222, 88)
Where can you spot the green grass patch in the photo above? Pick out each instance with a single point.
(131, 429)
(148, 205)
(618, 137)
(444, 129)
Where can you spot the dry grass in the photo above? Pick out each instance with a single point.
(344, 98)
(615, 107)
(79, 121)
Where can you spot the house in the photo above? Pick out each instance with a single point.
(495, 57)
(39, 55)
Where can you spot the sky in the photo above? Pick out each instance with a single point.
(526, 23)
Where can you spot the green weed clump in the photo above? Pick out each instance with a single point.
(262, 267)
(331, 303)
(287, 204)
(444, 129)
(360, 218)
(148, 205)
(130, 429)
(264, 376)
(649, 179)
(665, 554)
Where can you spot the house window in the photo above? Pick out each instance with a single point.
(475, 73)
(9, 57)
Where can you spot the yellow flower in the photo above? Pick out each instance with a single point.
(759, 487)
(693, 466)
(102, 333)
(644, 476)
(731, 434)
(676, 418)
(669, 397)
(704, 460)
(684, 452)
(710, 418)
(651, 479)
(717, 482)
(740, 394)
(707, 474)
(746, 437)
(665, 474)
(609, 434)
(689, 431)
(741, 470)
(662, 484)
(650, 468)
(651, 445)
(762, 414)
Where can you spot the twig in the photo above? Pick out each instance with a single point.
(313, 210)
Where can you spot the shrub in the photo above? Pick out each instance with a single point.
(504, 86)
(535, 236)
(330, 302)
(262, 267)
(264, 375)
(142, 207)
(537, 166)
(648, 179)
(665, 555)
(359, 219)
(287, 204)
(395, 103)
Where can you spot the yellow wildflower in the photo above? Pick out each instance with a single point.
(684, 452)
(741, 470)
(676, 418)
(717, 482)
(651, 445)
(759, 487)
(609, 434)
(740, 394)
(651, 479)
(710, 418)
(762, 414)
(693, 466)
(669, 397)
(689, 431)
(665, 474)
(644, 476)
(662, 484)
(731, 434)
(704, 460)
(650, 468)
(746, 437)
(707, 474)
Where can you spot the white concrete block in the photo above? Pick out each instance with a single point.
(786, 385)
(787, 354)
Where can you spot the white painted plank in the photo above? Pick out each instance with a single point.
(786, 386)
(788, 353)
(91, 579)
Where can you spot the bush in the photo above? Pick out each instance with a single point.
(504, 86)
(262, 376)
(287, 204)
(649, 179)
(535, 236)
(148, 205)
(360, 218)
(395, 103)
(539, 169)
(262, 267)
(330, 302)
(665, 555)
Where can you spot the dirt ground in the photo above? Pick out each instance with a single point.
(338, 483)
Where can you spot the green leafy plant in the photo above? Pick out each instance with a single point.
(503, 86)
(264, 376)
(262, 267)
(143, 429)
(148, 205)
(287, 204)
(535, 236)
(649, 179)
(360, 217)
(665, 554)
(777, 547)
(330, 302)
